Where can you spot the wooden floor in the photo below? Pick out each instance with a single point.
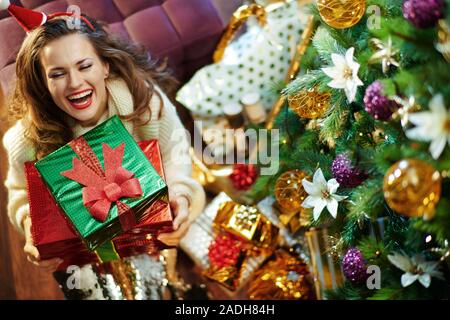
(19, 279)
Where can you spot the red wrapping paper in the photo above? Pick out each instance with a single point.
(163, 221)
(54, 236)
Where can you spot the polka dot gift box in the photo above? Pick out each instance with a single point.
(254, 62)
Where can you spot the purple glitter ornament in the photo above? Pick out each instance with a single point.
(423, 13)
(378, 105)
(345, 173)
(354, 266)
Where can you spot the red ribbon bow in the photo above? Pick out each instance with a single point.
(101, 191)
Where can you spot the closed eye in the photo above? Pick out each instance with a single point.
(56, 75)
(86, 67)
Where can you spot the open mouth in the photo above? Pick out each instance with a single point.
(81, 100)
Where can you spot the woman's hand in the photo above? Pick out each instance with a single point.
(32, 252)
(180, 207)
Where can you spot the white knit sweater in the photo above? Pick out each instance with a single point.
(163, 123)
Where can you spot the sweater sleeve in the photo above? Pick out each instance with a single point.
(173, 141)
(19, 150)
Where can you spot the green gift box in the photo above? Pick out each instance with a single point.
(103, 182)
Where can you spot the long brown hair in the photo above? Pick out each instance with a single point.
(46, 125)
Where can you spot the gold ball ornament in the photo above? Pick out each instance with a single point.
(341, 14)
(309, 104)
(412, 188)
(289, 190)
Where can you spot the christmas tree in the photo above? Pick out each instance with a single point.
(365, 141)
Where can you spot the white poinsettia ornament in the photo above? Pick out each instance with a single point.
(321, 194)
(433, 125)
(416, 268)
(344, 74)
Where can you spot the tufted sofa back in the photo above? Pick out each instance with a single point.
(184, 31)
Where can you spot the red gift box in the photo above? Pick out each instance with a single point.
(54, 236)
(163, 221)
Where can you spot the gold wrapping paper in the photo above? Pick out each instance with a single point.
(284, 278)
(238, 19)
(247, 223)
(201, 233)
(325, 267)
(296, 220)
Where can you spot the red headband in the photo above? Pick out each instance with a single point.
(30, 20)
(69, 14)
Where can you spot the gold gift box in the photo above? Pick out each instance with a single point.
(248, 223)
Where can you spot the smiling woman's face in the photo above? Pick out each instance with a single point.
(75, 77)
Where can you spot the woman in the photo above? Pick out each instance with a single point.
(68, 81)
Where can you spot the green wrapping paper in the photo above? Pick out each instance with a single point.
(106, 252)
(69, 193)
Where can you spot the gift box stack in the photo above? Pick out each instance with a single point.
(229, 241)
(84, 212)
